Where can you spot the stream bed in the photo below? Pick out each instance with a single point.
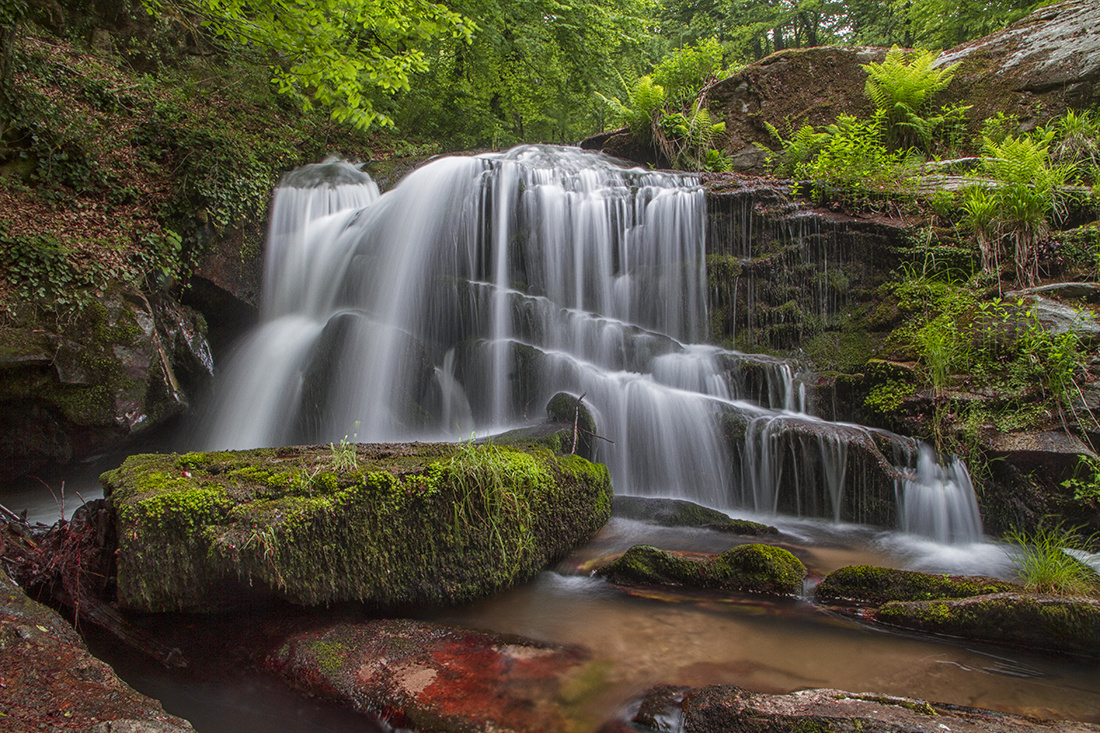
(652, 637)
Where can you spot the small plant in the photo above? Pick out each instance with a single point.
(797, 150)
(1044, 562)
(1029, 193)
(1085, 482)
(1077, 142)
(345, 457)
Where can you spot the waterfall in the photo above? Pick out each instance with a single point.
(460, 301)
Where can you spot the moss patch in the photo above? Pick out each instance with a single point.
(746, 568)
(420, 523)
(874, 585)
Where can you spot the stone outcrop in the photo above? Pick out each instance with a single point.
(51, 682)
(386, 525)
(429, 677)
(124, 365)
(721, 708)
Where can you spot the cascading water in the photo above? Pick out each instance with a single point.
(463, 299)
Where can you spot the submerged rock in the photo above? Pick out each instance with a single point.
(51, 682)
(874, 585)
(386, 525)
(680, 513)
(1049, 623)
(745, 568)
(722, 708)
(431, 677)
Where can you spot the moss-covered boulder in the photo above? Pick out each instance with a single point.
(875, 586)
(745, 568)
(387, 525)
(1051, 623)
(680, 513)
(757, 569)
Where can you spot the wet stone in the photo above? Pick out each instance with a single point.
(428, 676)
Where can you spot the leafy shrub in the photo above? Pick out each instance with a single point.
(854, 163)
(687, 72)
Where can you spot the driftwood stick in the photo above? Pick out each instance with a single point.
(576, 420)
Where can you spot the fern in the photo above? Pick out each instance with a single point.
(802, 146)
(903, 90)
(1029, 193)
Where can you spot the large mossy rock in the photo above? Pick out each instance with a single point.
(745, 568)
(1050, 623)
(875, 586)
(408, 524)
(429, 677)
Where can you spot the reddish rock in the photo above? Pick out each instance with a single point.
(438, 678)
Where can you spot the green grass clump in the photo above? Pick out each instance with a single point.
(1044, 563)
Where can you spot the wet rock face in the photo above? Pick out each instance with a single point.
(1049, 623)
(430, 677)
(124, 365)
(51, 682)
(680, 513)
(724, 708)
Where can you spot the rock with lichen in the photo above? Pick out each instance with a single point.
(386, 525)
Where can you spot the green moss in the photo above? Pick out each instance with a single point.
(746, 568)
(678, 513)
(648, 565)
(875, 585)
(758, 569)
(425, 523)
(1070, 625)
(330, 655)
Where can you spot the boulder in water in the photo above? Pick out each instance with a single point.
(387, 525)
(425, 676)
(571, 410)
(1049, 623)
(680, 513)
(745, 568)
(875, 586)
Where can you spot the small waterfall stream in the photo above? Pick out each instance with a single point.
(460, 301)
